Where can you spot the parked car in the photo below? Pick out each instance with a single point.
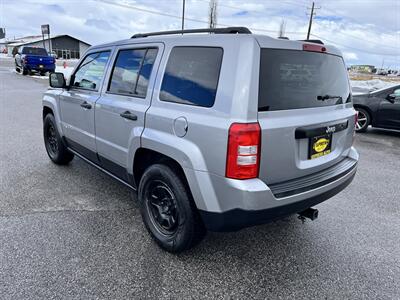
(381, 72)
(214, 131)
(29, 59)
(379, 109)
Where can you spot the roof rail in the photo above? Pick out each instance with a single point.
(226, 30)
(313, 41)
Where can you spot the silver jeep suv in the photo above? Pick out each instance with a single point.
(215, 129)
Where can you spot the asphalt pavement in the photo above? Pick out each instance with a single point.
(74, 233)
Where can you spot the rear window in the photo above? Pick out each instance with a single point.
(34, 51)
(191, 76)
(292, 79)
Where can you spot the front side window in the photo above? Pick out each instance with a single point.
(191, 76)
(91, 71)
(132, 71)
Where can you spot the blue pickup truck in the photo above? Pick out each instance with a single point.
(29, 59)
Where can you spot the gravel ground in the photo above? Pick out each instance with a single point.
(72, 232)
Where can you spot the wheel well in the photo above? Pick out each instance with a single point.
(144, 158)
(366, 109)
(46, 111)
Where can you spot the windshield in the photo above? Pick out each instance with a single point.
(34, 51)
(292, 79)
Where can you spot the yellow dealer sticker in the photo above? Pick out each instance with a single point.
(320, 146)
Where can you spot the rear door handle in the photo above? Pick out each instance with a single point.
(128, 115)
(86, 105)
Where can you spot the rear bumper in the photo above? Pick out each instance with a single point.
(241, 204)
(45, 68)
(237, 219)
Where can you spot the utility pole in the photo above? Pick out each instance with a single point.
(312, 14)
(183, 14)
(212, 14)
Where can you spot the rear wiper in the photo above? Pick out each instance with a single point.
(326, 97)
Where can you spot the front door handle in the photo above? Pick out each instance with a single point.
(86, 105)
(128, 115)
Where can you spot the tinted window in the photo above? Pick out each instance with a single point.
(34, 51)
(91, 70)
(126, 70)
(132, 71)
(145, 72)
(191, 75)
(291, 79)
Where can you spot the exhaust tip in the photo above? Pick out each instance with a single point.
(309, 213)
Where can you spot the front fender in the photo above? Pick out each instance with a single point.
(51, 100)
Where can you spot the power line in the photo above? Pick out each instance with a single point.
(303, 4)
(368, 41)
(226, 25)
(150, 11)
(351, 47)
(186, 18)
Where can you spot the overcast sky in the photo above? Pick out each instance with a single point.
(367, 31)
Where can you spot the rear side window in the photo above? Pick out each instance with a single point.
(191, 76)
(292, 79)
(131, 72)
(34, 51)
(91, 71)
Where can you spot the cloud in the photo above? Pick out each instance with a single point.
(328, 18)
(241, 13)
(368, 29)
(53, 8)
(350, 56)
(101, 24)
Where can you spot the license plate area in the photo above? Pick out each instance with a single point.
(319, 146)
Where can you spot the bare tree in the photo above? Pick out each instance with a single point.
(212, 14)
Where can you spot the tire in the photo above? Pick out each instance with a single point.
(168, 210)
(24, 71)
(42, 73)
(55, 148)
(364, 119)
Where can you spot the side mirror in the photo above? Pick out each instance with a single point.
(392, 97)
(57, 80)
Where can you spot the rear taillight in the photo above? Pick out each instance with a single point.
(244, 145)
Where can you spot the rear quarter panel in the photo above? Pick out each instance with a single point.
(204, 146)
